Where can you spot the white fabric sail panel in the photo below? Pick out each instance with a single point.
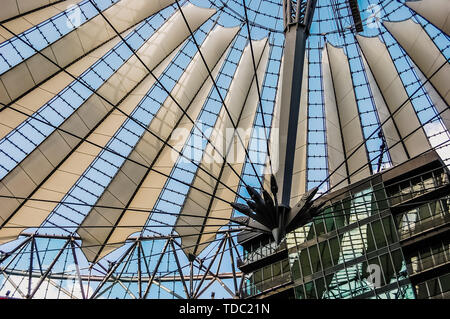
(301, 148)
(27, 175)
(131, 175)
(34, 211)
(160, 45)
(284, 102)
(272, 165)
(150, 189)
(396, 149)
(13, 8)
(59, 144)
(220, 211)
(75, 44)
(395, 95)
(198, 203)
(357, 159)
(435, 11)
(278, 141)
(42, 94)
(335, 146)
(27, 21)
(441, 106)
(425, 54)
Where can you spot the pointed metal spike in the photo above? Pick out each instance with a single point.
(256, 215)
(303, 211)
(241, 220)
(252, 205)
(256, 224)
(251, 191)
(276, 235)
(310, 194)
(318, 206)
(256, 197)
(273, 185)
(270, 208)
(242, 208)
(268, 199)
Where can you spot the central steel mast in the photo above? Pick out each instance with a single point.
(274, 215)
(298, 16)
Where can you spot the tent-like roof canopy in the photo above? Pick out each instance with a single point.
(128, 127)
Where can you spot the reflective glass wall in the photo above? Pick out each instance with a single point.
(377, 240)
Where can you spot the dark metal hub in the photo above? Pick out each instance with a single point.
(267, 216)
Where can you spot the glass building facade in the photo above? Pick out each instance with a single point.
(384, 237)
(130, 128)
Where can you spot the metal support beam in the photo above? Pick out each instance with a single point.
(160, 285)
(21, 247)
(16, 287)
(180, 271)
(44, 276)
(118, 278)
(236, 289)
(191, 279)
(218, 269)
(298, 12)
(219, 278)
(75, 259)
(37, 257)
(12, 252)
(354, 8)
(152, 278)
(298, 18)
(241, 275)
(139, 273)
(30, 271)
(209, 267)
(111, 271)
(128, 279)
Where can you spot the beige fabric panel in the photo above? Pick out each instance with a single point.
(27, 21)
(439, 103)
(435, 11)
(301, 148)
(25, 178)
(197, 203)
(274, 145)
(34, 213)
(149, 191)
(274, 138)
(278, 149)
(75, 44)
(13, 8)
(58, 144)
(220, 209)
(394, 93)
(282, 116)
(161, 44)
(425, 54)
(348, 115)
(396, 150)
(271, 165)
(148, 148)
(335, 147)
(39, 96)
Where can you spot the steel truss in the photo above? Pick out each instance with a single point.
(195, 279)
(39, 269)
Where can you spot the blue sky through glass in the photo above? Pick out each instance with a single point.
(266, 21)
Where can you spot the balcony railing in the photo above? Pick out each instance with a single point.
(252, 289)
(414, 228)
(422, 264)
